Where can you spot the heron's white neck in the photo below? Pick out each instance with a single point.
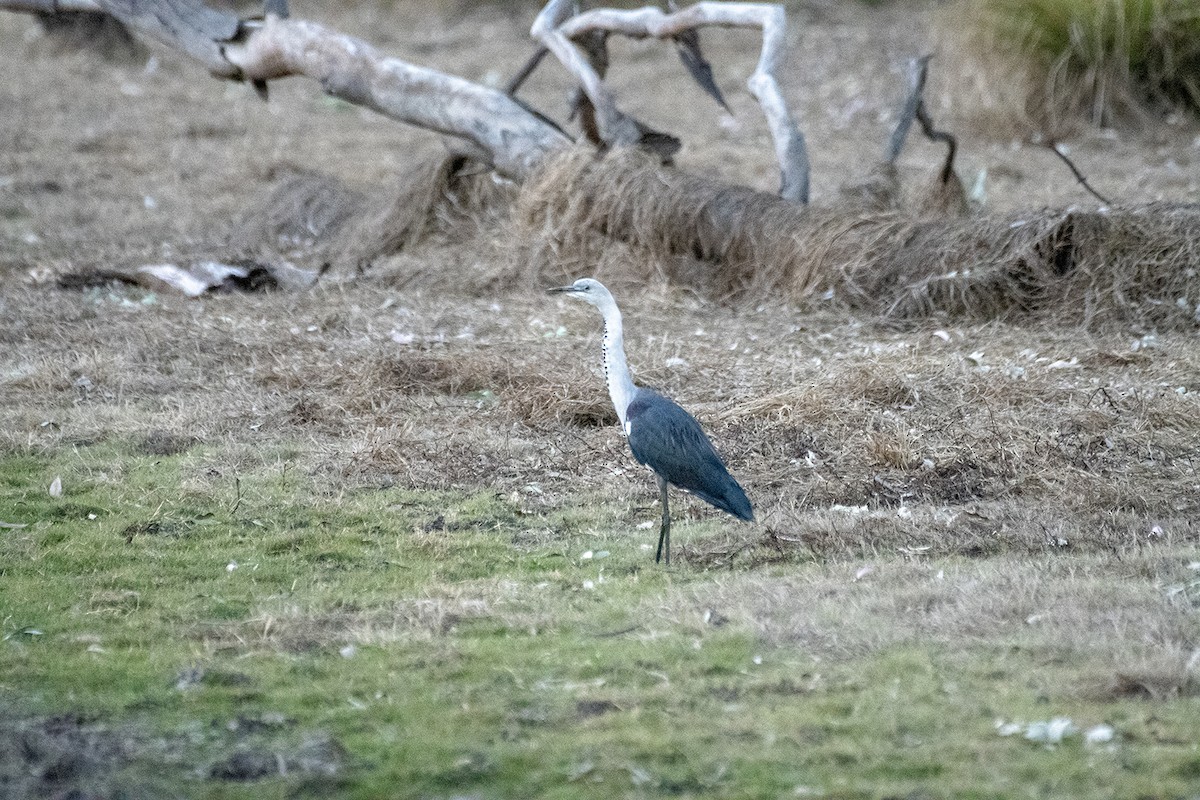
(616, 369)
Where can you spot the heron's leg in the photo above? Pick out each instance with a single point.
(664, 533)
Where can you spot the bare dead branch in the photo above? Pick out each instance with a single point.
(557, 31)
(914, 108)
(916, 86)
(506, 134)
(615, 128)
(1054, 148)
(523, 74)
(349, 68)
(935, 135)
(688, 46)
(594, 47)
(186, 25)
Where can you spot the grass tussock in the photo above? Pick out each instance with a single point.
(629, 221)
(724, 240)
(1078, 268)
(1049, 63)
(1073, 267)
(318, 218)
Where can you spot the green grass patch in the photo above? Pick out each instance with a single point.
(266, 639)
(1112, 58)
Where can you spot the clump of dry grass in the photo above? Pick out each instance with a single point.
(724, 240)
(317, 218)
(498, 380)
(1077, 267)
(624, 217)
(1081, 268)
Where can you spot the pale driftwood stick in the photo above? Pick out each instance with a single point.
(512, 140)
(351, 69)
(184, 25)
(517, 80)
(556, 31)
(615, 127)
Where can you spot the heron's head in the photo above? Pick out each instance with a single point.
(589, 290)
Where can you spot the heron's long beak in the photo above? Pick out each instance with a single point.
(559, 289)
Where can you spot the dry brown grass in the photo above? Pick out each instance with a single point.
(988, 477)
(756, 241)
(1075, 267)
(316, 218)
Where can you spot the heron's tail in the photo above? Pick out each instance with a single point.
(729, 497)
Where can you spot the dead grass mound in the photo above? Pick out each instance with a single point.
(624, 217)
(1078, 267)
(377, 383)
(314, 217)
(723, 240)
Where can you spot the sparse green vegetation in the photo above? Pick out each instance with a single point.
(1110, 60)
(268, 641)
(382, 538)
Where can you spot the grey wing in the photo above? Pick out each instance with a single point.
(670, 441)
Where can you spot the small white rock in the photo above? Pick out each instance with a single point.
(1007, 728)
(1099, 734)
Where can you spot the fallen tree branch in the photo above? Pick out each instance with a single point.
(348, 68)
(935, 135)
(490, 124)
(914, 108)
(918, 69)
(557, 31)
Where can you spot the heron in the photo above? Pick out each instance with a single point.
(661, 435)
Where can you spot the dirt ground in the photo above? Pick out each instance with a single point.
(853, 438)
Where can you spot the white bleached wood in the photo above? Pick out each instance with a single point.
(555, 28)
(615, 127)
(353, 70)
(484, 121)
(50, 6)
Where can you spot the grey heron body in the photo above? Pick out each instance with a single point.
(661, 435)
